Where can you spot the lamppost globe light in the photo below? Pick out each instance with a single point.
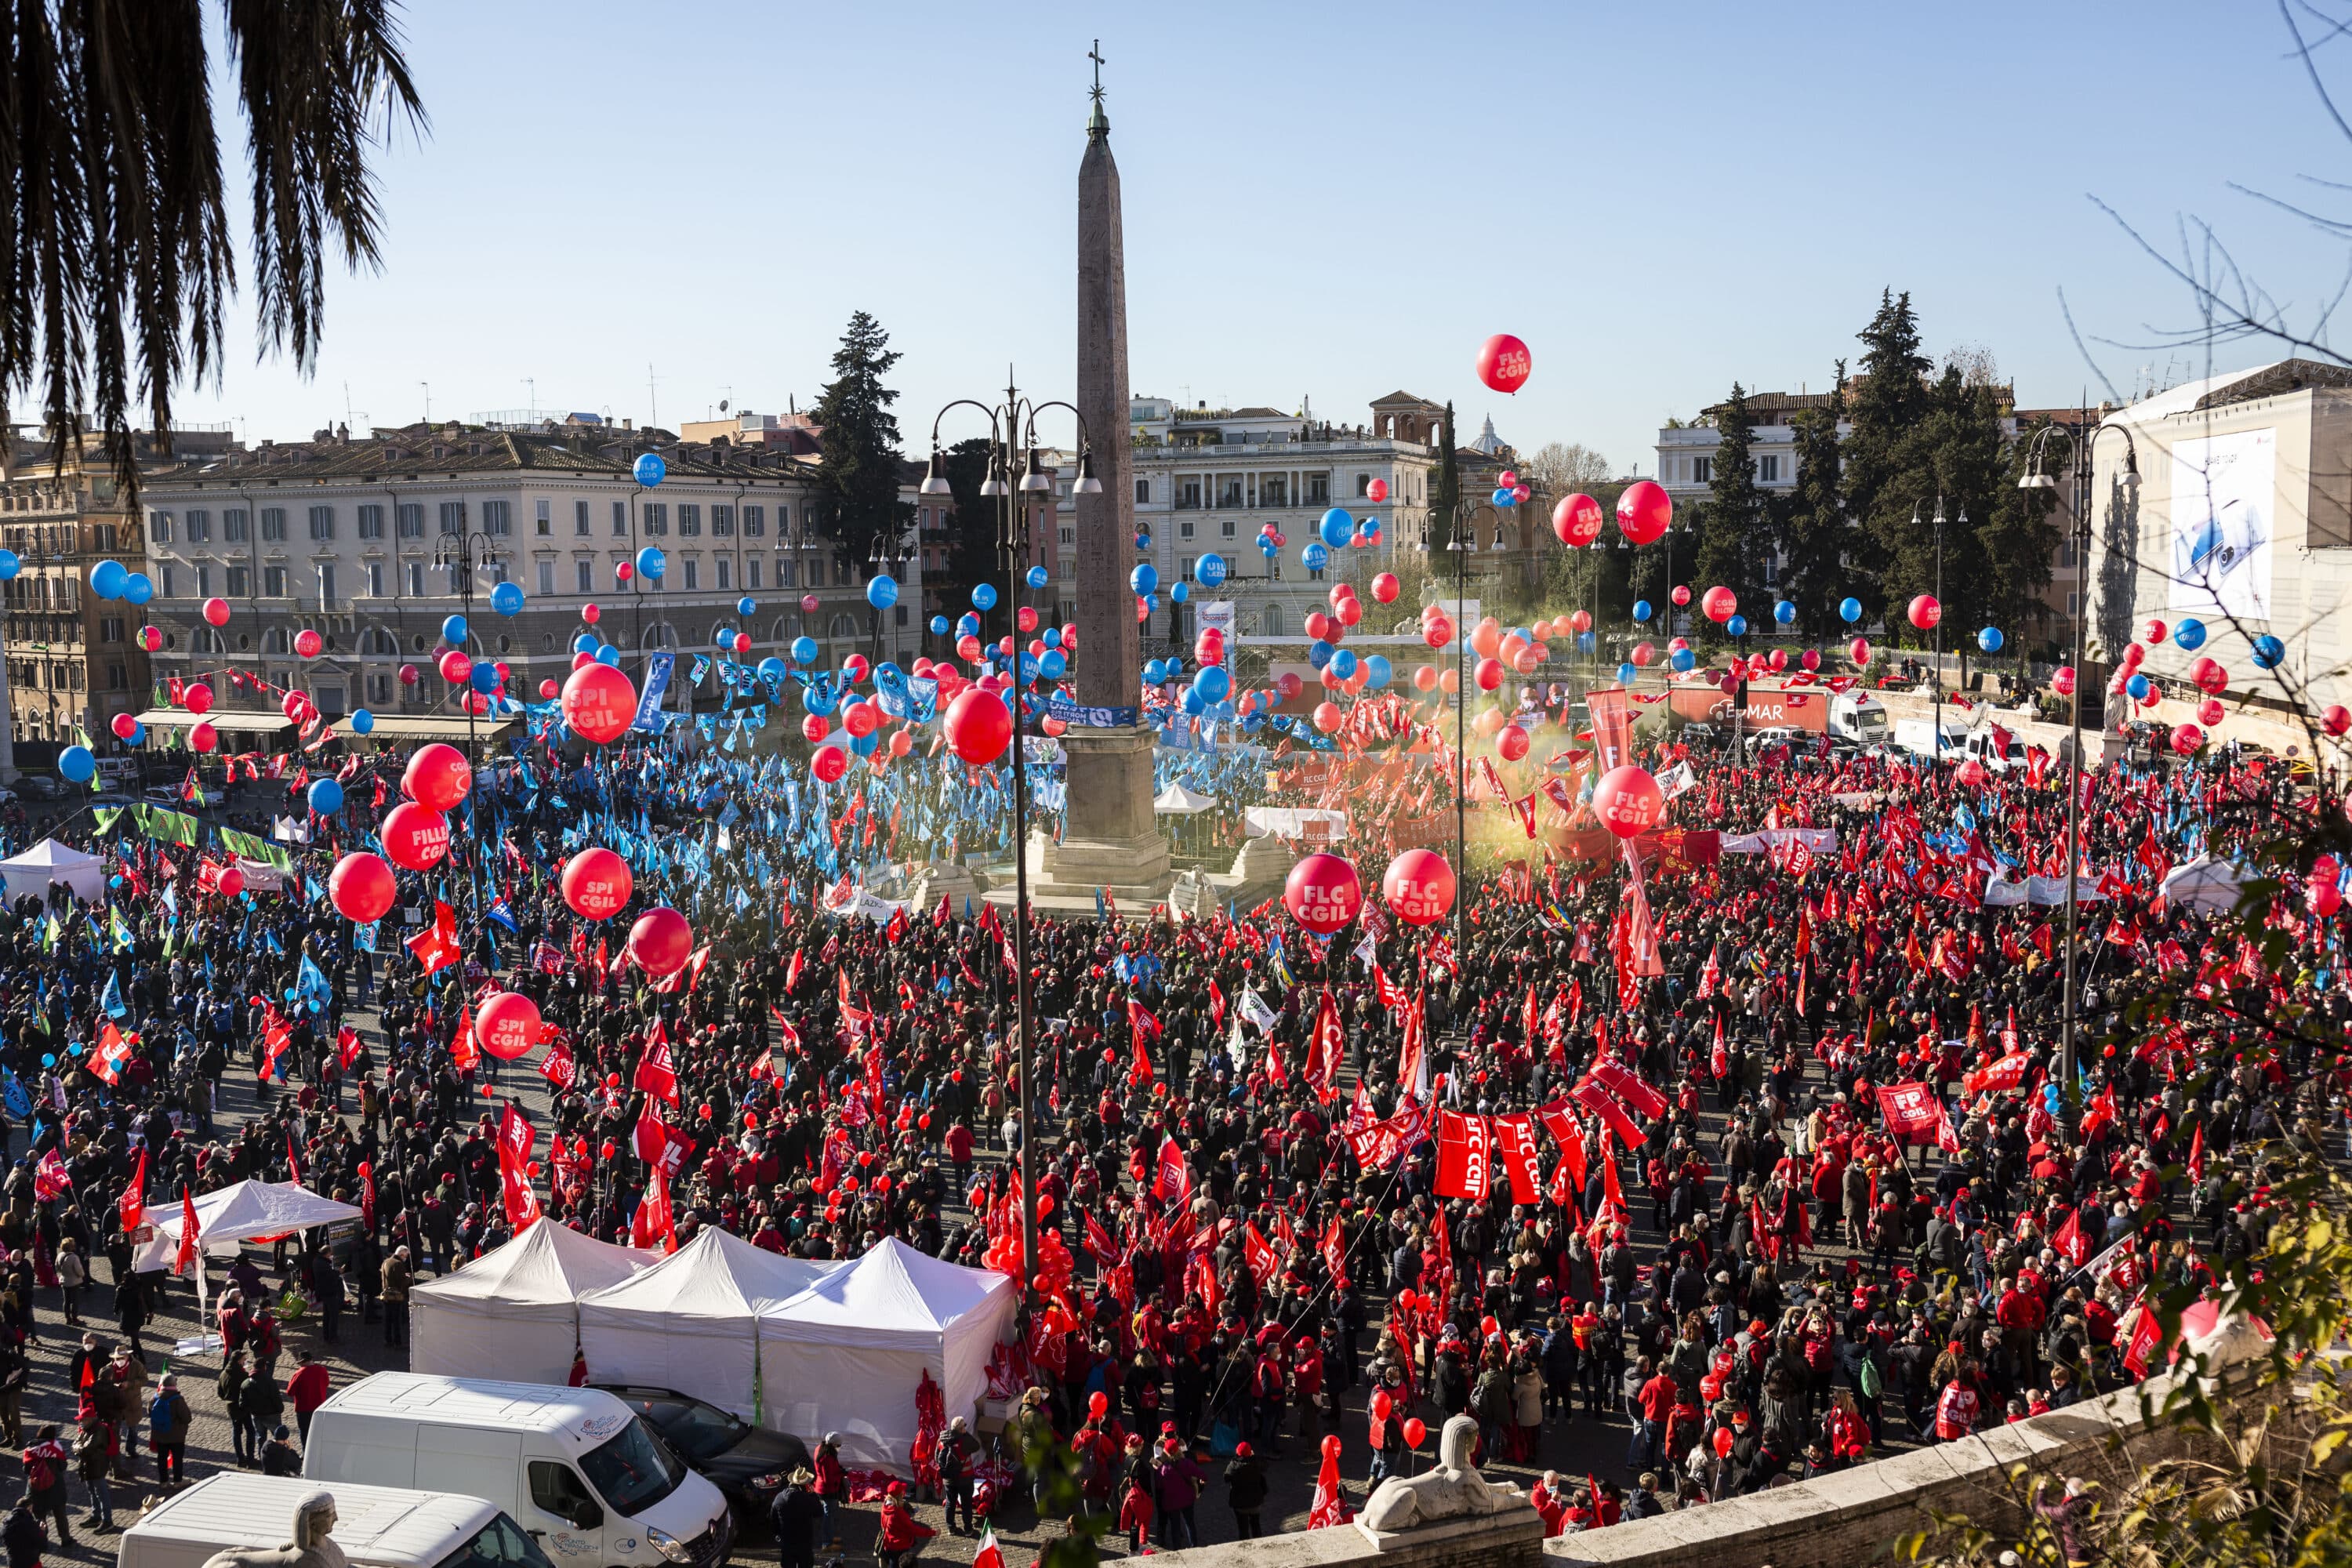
(1087, 484)
(934, 478)
(1037, 481)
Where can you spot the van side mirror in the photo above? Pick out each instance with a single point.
(587, 1514)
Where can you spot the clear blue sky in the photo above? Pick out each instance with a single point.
(1333, 201)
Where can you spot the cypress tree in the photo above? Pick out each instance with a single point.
(857, 467)
(1445, 494)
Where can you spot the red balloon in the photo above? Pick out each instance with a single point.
(547, 691)
(196, 697)
(661, 941)
(216, 612)
(1414, 1431)
(437, 777)
(1377, 490)
(1418, 886)
(600, 702)
(456, 667)
(1331, 1446)
(231, 883)
(591, 614)
(1720, 603)
(2211, 712)
(308, 643)
(1512, 743)
(2187, 739)
(1488, 673)
(1576, 520)
(1384, 587)
(1926, 612)
(2211, 677)
(829, 764)
(814, 727)
(362, 887)
(414, 838)
(204, 737)
(2156, 631)
(507, 1025)
(124, 726)
(1503, 363)
(1628, 801)
(1322, 893)
(2063, 681)
(408, 675)
(2337, 719)
(1971, 772)
(1645, 511)
(1723, 1442)
(1681, 595)
(1382, 1405)
(597, 883)
(979, 727)
(1098, 1404)
(1859, 650)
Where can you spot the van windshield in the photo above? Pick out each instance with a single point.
(635, 1470)
(502, 1543)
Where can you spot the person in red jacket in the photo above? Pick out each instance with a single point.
(308, 1388)
(902, 1534)
(1551, 1500)
(1958, 1408)
(1306, 1382)
(832, 1486)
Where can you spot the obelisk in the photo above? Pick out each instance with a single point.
(1111, 840)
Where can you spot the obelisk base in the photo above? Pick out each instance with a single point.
(1112, 844)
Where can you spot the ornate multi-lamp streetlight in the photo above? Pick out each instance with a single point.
(1012, 440)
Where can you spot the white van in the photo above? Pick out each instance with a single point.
(593, 1485)
(381, 1526)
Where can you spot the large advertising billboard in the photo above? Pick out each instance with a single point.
(2224, 493)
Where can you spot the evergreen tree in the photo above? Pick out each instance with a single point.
(2018, 544)
(1731, 522)
(1814, 536)
(1884, 473)
(1446, 493)
(857, 472)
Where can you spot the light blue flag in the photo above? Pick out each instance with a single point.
(310, 985)
(112, 1000)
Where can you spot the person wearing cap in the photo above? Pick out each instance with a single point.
(795, 1514)
(308, 1388)
(901, 1538)
(168, 1420)
(280, 1457)
(1245, 1491)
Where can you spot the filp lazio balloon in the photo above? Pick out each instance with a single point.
(661, 941)
(599, 702)
(507, 1025)
(1322, 893)
(363, 886)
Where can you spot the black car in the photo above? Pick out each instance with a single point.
(748, 1463)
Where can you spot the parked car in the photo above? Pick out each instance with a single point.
(41, 787)
(748, 1463)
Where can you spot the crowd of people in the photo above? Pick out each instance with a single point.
(1754, 1264)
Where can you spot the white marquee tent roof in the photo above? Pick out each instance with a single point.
(691, 1322)
(50, 861)
(512, 1313)
(241, 1212)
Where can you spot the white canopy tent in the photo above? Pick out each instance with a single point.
(228, 1219)
(2203, 883)
(847, 1353)
(50, 862)
(514, 1313)
(1177, 800)
(691, 1322)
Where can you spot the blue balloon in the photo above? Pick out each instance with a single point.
(507, 598)
(1213, 683)
(1850, 609)
(1051, 636)
(649, 469)
(1150, 603)
(1266, 546)
(818, 697)
(1684, 660)
(453, 631)
(1785, 613)
(2190, 635)
(2269, 652)
(1142, 540)
(609, 655)
(1143, 579)
(1315, 557)
(2137, 686)
(106, 579)
(586, 642)
(326, 796)
(9, 564)
(724, 639)
(77, 763)
(1318, 653)
(1642, 611)
(652, 563)
(882, 590)
(1505, 497)
(1737, 625)
(747, 605)
(1587, 641)
(1626, 674)
(1343, 663)
(1038, 577)
(138, 588)
(864, 745)
(1989, 639)
(483, 678)
(1054, 664)
(48, 1059)
(938, 626)
(805, 651)
(983, 596)
(1028, 662)
(1337, 528)
(773, 668)
(1180, 592)
(1377, 671)
(1210, 569)
(362, 721)
(139, 732)
(1190, 701)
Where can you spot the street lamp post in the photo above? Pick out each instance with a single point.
(463, 554)
(2078, 457)
(1013, 436)
(1463, 538)
(887, 559)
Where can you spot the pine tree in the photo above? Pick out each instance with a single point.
(1883, 479)
(857, 472)
(1446, 494)
(1814, 536)
(1731, 522)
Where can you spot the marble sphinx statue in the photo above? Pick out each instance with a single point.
(1453, 1490)
(313, 1545)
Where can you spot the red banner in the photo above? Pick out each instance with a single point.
(1911, 1111)
(1465, 1161)
(1515, 1140)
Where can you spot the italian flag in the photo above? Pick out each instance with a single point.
(990, 1555)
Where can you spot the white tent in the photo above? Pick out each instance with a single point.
(514, 1313)
(50, 861)
(846, 1354)
(691, 1322)
(2204, 883)
(1177, 800)
(241, 1212)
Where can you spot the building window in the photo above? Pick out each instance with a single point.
(693, 568)
(109, 629)
(117, 678)
(455, 572)
(787, 573)
(690, 519)
(816, 572)
(546, 579)
(1225, 528)
(1188, 498)
(1768, 470)
(784, 519)
(496, 518)
(580, 518)
(751, 572)
(724, 573)
(1069, 536)
(620, 519)
(200, 527)
(273, 525)
(374, 575)
(1364, 485)
(1143, 492)
(203, 581)
(273, 640)
(722, 523)
(656, 519)
(235, 525)
(755, 523)
(1184, 529)
(545, 511)
(326, 583)
(322, 523)
(417, 579)
(1702, 470)
(412, 520)
(586, 574)
(171, 581)
(453, 516)
(273, 578)
(159, 527)
(1318, 489)
(370, 522)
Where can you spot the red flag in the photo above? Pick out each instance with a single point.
(2146, 1335)
(1335, 1251)
(1910, 1110)
(49, 1177)
(655, 1075)
(1464, 1156)
(1173, 1184)
(1142, 1029)
(1629, 1088)
(436, 946)
(2070, 1243)
(465, 1051)
(113, 1054)
(1515, 1138)
(651, 1140)
(2196, 1153)
(1259, 1255)
(135, 1200)
(1601, 1104)
(189, 1232)
(558, 1066)
(1326, 1042)
(653, 1225)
